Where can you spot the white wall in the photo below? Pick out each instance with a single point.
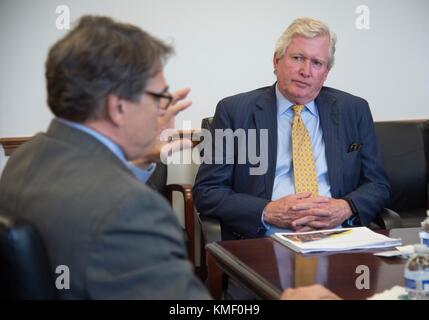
(225, 47)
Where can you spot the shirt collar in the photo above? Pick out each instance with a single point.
(285, 106)
(112, 146)
(141, 174)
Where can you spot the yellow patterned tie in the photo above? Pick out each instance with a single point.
(304, 166)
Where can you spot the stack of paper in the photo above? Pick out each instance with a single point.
(403, 252)
(395, 293)
(335, 240)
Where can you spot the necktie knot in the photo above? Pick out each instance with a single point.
(297, 109)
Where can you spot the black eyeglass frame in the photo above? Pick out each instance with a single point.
(162, 95)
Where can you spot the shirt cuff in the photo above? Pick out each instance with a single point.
(266, 226)
(354, 220)
(142, 174)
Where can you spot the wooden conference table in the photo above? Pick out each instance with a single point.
(267, 267)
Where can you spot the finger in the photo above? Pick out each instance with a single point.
(318, 212)
(320, 199)
(308, 203)
(303, 195)
(180, 145)
(317, 224)
(304, 229)
(321, 213)
(177, 145)
(299, 223)
(303, 206)
(179, 106)
(169, 134)
(180, 94)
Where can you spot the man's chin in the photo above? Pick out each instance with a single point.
(301, 100)
(301, 97)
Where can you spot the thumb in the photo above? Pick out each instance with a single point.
(174, 146)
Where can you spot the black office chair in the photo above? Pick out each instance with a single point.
(25, 269)
(404, 147)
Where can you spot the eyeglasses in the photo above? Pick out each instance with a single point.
(164, 98)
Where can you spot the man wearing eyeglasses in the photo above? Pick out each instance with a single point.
(82, 183)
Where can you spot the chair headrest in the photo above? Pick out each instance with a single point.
(25, 270)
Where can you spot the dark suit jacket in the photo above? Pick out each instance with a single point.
(119, 238)
(229, 193)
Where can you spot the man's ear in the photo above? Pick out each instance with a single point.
(115, 109)
(275, 61)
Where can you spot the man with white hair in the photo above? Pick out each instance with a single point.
(324, 167)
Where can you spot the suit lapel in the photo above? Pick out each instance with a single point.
(330, 122)
(265, 117)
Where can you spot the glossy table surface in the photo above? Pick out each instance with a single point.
(267, 267)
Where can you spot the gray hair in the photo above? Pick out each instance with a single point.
(308, 28)
(100, 57)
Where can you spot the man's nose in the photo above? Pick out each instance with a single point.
(305, 68)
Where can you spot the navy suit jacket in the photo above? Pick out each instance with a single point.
(228, 192)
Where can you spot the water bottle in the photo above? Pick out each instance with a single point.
(417, 274)
(424, 234)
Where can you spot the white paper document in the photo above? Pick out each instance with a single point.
(335, 240)
(395, 293)
(403, 252)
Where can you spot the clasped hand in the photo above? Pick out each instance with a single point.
(302, 212)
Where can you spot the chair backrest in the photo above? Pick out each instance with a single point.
(210, 227)
(206, 124)
(25, 270)
(403, 149)
(158, 178)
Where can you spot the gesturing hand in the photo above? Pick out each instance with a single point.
(163, 145)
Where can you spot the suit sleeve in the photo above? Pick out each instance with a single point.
(140, 255)
(214, 193)
(373, 191)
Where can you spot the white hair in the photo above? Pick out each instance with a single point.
(308, 28)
